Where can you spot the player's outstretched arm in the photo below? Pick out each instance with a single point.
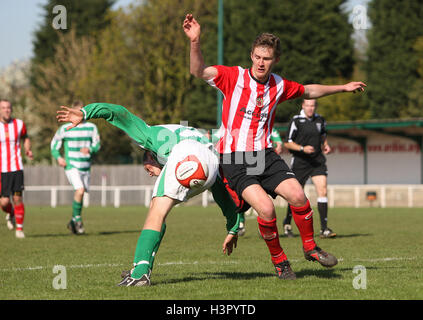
(122, 118)
(197, 66)
(314, 91)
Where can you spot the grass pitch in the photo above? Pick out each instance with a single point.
(382, 247)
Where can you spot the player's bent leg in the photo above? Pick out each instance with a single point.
(303, 217)
(302, 213)
(291, 191)
(256, 196)
(260, 201)
(126, 273)
(149, 242)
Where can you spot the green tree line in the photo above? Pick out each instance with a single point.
(139, 57)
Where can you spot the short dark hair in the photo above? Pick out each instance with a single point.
(145, 157)
(77, 103)
(268, 40)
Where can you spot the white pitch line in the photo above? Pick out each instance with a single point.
(190, 263)
(385, 259)
(71, 267)
(114, 265)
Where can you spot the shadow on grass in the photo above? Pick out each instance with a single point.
(220, 275)
(50, 235)
(106, 233)
(88, 234)
(323, 273)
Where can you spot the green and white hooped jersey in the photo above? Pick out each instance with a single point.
(168, 136)
(85, 135)
(159, 139)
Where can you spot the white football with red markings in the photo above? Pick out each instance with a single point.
(191, 173)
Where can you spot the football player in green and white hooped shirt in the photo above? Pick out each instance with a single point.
(166, 146)
(79, 143)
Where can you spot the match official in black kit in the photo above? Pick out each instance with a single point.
(307, 141)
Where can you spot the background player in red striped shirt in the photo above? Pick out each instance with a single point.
(12, 131)
(248, 161)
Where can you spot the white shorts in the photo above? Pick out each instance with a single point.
(167, 184)
(78, 179)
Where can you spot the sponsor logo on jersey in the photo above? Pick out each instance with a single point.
(257, 116)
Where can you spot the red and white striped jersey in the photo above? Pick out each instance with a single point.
(248, 109)
(11, 134)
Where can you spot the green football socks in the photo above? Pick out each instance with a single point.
(147, 246)
(76, 211)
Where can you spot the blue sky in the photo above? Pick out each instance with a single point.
(20, 18)
(18, 21)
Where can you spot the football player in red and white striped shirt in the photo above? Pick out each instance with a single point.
(248, 161)
(12, 131)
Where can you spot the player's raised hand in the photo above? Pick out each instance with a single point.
(355, 86)
(72, 115)
(191, 27)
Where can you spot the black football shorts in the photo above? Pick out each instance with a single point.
(12, 183)
(305, 169)
(266, 168)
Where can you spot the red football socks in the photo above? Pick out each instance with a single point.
(269, 232)
(19, 216)
(303, 217)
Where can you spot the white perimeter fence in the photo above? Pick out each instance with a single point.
(338, 195)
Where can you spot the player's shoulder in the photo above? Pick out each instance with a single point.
(299, 120)
(18, 121)
(229, 69)
(299, 117)
(64, 126)
(278, 78)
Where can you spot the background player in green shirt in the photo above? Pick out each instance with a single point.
(79, 144)
(166, 145)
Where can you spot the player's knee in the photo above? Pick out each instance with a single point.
(322, 192)
(266, 211)
(297, 198)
